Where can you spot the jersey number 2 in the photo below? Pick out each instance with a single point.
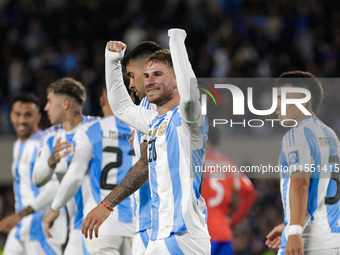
(109, 166)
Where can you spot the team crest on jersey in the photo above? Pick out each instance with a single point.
(71, 148)
(293, 157)
(25, 159)
(162, 128)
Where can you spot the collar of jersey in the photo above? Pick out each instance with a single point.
(306, 119)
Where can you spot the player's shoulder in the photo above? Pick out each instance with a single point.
(305, 131)
(89, 119)
(146, 104)
(37, 136)
(91, 122)
(52, 131)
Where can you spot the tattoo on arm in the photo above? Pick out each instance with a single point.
(26, 211)
(136, 177)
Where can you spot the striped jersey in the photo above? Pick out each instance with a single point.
(27, 194)
(313, 147)
(101, 160)
(51, 135)
(143, 195)
(176, 142)
(174, 155)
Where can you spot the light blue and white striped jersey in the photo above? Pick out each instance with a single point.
(101, 160)
(30, 228)
(143, 195)
(177, 204)
(313, 147)
(176, 144)
(51, 135)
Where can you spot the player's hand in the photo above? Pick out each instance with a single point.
(49, 221)
(9, 222)
(274, 237)
(132, 136)
(58, 152)
(115, 46)
(177, 33)
(294, 245)
(93, 221)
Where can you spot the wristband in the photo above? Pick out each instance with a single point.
(106, 206)
(293, 230)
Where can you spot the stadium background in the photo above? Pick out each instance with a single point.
(42, 40)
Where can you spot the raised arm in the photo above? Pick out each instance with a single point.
(186, 80)
(119, 99)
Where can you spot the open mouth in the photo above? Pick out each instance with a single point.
(22, 127)
(152, 91)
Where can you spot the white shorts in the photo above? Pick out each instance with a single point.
(14, 246)
(75, 243)
(140, 241)
(109, 245)
(335, 251)
(179, 244)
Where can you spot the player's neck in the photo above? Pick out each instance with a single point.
(25, 138)
(71, 123)
(164, 108)
(302, 117)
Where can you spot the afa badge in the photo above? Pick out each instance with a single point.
(293, 157)
(162, 128)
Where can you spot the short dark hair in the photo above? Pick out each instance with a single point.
(70, 87)
(142, 50)
(26, 98)
(304, 80)
(163, 56)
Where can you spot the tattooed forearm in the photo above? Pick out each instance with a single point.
(136, 177)
(26, 211)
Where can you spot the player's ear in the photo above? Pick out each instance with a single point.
(102, 101)
(39, 118)
(308, 105)
(66, 104)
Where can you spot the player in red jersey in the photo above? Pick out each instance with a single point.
(217, 190)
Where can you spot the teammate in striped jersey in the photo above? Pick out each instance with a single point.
(31, 202)
(134, 62)
(101, 159)
(217, 190)
(65, 98)
(176, 144)
(310, 184)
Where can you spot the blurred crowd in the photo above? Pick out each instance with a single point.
(42, 40)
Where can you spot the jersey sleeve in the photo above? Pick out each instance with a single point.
(42, 173)
(119, 99)
(77, 169)
(297, 151)
(46, 194)
(247, 192)
(186, 81)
